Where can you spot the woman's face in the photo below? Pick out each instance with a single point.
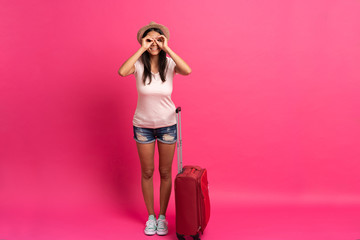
(154, 48)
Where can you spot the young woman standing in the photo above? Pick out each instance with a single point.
(155, 117)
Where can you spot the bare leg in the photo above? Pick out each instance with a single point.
(166, 155)
(146, 155)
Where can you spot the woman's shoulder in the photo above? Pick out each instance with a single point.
(170, 60)
(171, 64)
(139, 66)
(138, 61)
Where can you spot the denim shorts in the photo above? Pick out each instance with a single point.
(148, 135)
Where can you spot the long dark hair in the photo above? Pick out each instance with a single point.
(145, 58)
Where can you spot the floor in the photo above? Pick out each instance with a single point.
(228, 221)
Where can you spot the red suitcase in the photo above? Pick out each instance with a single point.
(191, 195)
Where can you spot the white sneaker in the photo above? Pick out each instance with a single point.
(162, 228)
(150, 228)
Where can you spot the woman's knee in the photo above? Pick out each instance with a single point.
(147, 173)
(165, 173)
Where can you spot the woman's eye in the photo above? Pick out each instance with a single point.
(160, 40)
(148, 40)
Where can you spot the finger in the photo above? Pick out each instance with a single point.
(150, 40)
(160, 40)
(147, 38)
(160, 44)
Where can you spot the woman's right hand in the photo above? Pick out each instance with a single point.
(146, 42)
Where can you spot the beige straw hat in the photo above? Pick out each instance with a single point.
(153, 24)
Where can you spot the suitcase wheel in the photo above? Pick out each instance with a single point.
(180, 237)
(196, 237)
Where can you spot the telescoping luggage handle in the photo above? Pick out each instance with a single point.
(179, 139)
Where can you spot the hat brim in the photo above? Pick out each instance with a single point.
(164, 29)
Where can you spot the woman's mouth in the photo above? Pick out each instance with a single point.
(154, 48)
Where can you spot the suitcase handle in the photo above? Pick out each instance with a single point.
(196, 167)
(179, 139)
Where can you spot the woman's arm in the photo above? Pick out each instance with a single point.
(128, 66)
(181, 65)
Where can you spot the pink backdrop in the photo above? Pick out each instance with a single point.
(271, 109)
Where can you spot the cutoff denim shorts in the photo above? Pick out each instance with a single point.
(148, 135)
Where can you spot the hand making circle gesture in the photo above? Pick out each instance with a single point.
(146, 42)
(162, 42)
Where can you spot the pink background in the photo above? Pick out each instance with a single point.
(271, 109)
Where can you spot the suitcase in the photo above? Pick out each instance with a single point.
(192, 201)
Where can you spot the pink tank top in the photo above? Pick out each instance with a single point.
(154, 108)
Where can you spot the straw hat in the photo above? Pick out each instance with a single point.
(153, 24)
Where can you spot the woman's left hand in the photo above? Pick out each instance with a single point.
(162, 42)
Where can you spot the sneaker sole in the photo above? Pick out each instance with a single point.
(162, 233)
(150, 233)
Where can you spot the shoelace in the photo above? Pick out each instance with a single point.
(161, 224)
(151, 224)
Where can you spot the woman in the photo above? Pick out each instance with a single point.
(155, 117)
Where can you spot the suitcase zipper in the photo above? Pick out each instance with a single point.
(200, 198)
